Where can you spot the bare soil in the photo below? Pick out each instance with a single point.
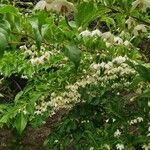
(33, 138)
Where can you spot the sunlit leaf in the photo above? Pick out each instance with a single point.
(74, 54)
(20, 122)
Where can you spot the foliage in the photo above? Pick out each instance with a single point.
(90, 65)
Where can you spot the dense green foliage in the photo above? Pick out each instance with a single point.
(90, 63)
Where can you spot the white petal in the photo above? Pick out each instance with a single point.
(40, 5)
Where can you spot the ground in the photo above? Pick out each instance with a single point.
(33, 138)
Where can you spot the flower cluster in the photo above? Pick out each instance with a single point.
(35, 58)
(112, 70)
(23, 109)
(115, 70)
(41, 59)
(108, 37)
(42, 106)
(136, 120)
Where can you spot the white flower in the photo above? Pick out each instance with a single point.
(37, 60)
(142, 4)
(47, 55)
(59, 6)
(107, 66)
(108, 44)
(40, 60)
(140, 119)
(114, 118)
(130, 22)
(139, 28)
(102, 65)
(118, 40)
(146, 147)
(62, 6)
(120, 146)
(38, 112)
(28, 52)
(117, 133)
(119, 60)
(107, 36)
(86, 33)
(24, 77)
(107, 146)
(96, 33)
(23, 47)
(41, 5)
(24, 112)
(107, 120)
(148, 134)
(95, 66)
(126, 43)
(149, 129)
(137, 120)
(56, 141)
(91, 148)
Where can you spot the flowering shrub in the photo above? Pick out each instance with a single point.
(83, 57)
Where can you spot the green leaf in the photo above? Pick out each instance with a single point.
(3, 31)
(144, 72)
(5, 25)
(3, 43)
(30, 108)
(88, 11)
(20, 122)
(37, 35)
(9, 114)
(85, 13)
(146, 94)
(108, 20)
(8, 9)
(44, 29)
(18, 96)
(74, 54)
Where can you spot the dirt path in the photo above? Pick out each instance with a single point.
(33, 138)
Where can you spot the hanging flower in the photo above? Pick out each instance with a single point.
(139, 28)
(58, 6)
(120, 146)
(117, 133)
(130, 22)
(142, 4)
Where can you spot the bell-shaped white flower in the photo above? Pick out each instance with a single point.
(118, 40)
(120, 146)
(58, 6)
(86, 33)
(139, 28)
(96, 33)
(142, 4)
(107, 36)
(146, 147)
(130, 22)
(41, 5)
